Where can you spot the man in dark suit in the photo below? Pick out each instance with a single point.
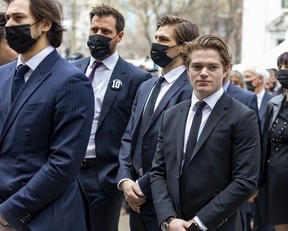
(256, 78)
(134, 179)
(115, 83)
(45, 119)
(250, 100)
(200, 180)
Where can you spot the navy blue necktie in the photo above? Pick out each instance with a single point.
(19, 79)
(95, 65)
(149, 110)
(191, 143)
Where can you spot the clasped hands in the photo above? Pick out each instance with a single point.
(133, 195)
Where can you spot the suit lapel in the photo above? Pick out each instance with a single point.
(141, 100)
(82, 64)
(181, 125)
(182, 80)
(34, 81)
(110, 95)
(216, 115)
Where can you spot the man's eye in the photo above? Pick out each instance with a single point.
(196, 67)
(212, 68)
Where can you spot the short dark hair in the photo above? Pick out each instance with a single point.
(185, 30)
(49, 10)
(282, 60)
(2, 24)
(106, 10)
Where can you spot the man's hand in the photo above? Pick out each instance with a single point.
(253, 196)
(4, 226)
(178, 225)
(133, 195)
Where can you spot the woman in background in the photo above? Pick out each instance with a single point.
(275, 151)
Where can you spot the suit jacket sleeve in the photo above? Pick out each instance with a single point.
(125, 156)
(73, 114)
(159, 186)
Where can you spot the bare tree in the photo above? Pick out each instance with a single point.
(219, 17)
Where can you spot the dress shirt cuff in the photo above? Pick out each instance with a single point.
(137, 183)
(200, 224)
(124, 179)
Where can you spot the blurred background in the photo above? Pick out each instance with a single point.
(254, 29)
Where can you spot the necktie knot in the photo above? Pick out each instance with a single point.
(94, 66)
(200, 105)
(19, 79)
(160, 80)
(21, 71)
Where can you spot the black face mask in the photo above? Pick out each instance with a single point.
(159, 56)
(282, 77)
(250, 86)
(99, 46)
(19, 37)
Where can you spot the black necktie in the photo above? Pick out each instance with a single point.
(191, 143)
(19, 79)
(95, 65)
(149, 110)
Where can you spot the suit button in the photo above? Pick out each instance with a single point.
(11, 188)
(268, 161)
(27, 132)
(177, 177)
(17, 160)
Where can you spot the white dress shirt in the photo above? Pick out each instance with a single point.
(100, 83)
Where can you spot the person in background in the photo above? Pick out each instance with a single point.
(46, 111)
(7, 54)
(190, 190)
(272, 86)
(140, 138)
(256, 79)
(274, 176)
(237, 79)
(115, 82)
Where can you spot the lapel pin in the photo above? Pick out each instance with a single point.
(116, 84)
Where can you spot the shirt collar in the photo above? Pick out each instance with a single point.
(210, 100)
(172, 75)
(33, 62)
(225, 86)
(109, 62)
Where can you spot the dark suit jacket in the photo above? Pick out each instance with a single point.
(263, 108)
(273, 109)
(223, 170)
(243, 96)
(114, 116)
(179, 91)
(44, 134)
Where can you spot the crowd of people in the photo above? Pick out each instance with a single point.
(197, 146)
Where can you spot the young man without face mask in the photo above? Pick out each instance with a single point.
(140, 139)
(115, 83)
(45, 120)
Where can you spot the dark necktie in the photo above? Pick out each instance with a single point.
(146, 116)
(191, 143)
(95, 65)
(19, 79)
